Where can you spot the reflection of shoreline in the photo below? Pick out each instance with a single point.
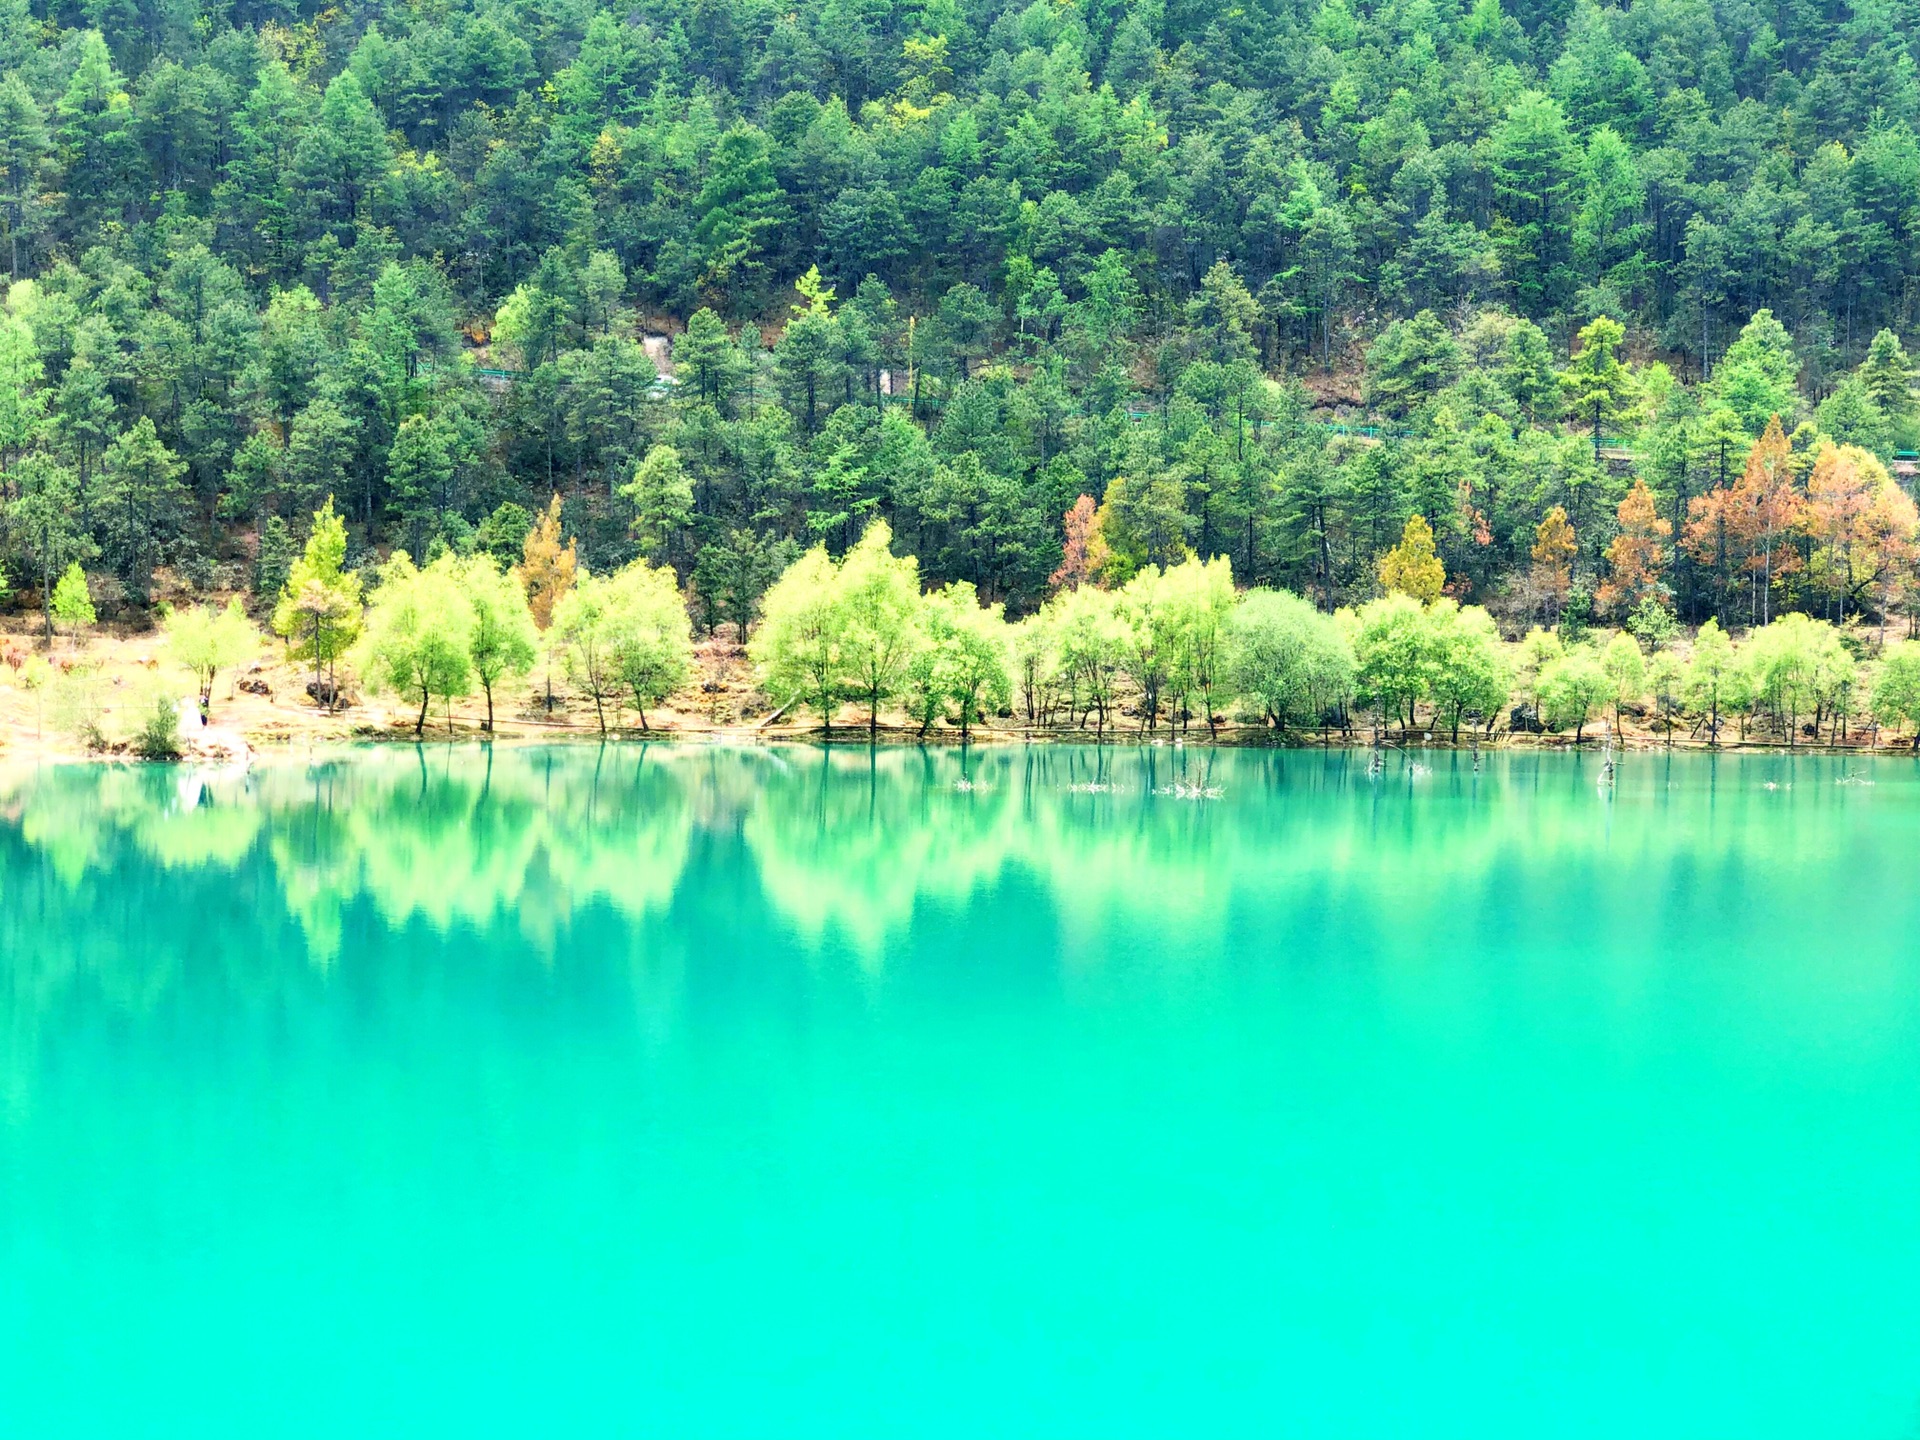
(636, 863)
(844, 840)
(273, 749)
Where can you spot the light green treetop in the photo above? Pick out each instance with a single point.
(1896, 687)
(1092, 639)
(1627, 669)
(586, 630)
(319, 606)
(1196, 601)
(1288, 656)
(502, 641)
(1393, 648)
(207, 641)
(798, 645)
(1469, 673)
(652, 635)
(1715, 679)
(878, 595)
(1758, 374)
(1572, 689)
(72, 604)
(961, 658)
(419, 626)
(626, 634)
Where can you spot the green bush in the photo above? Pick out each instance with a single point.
(159, 735)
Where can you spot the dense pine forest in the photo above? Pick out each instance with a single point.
(1609, 301)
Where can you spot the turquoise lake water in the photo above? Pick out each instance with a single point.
(692, 1092)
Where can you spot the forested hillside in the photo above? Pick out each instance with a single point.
(958, 266)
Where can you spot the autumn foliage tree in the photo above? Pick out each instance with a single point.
(1081, 551)
(546, 567)
(1554, 546)
(1637, 556)
(1751, 527)
(1861, 526)
(1412, 567)
(547, 571)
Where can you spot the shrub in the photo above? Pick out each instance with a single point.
(159, 735)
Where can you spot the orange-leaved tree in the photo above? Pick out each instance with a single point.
(1751, 526)
(1637, 556)
(1082, 551)
(1862, 526)
(1554, 546)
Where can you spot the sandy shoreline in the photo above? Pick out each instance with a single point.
(265, 709)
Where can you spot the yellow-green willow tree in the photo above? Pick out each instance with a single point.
(1798, 667)
(1288, 657)
(1196, 599)
(653, 638)
(626, 634)
(418, 629)
(1627, 669)
(207, 641)
(797, 648)
(1091, 640)
(1469, 674)
(1715, 679)
(1573, 688)
(1147, 650)
(877, 595)
(318, 612)
(503, 641)
(962, 660)
(1896, 687)
(1394, 653)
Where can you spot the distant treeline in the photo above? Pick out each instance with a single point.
(957, 266)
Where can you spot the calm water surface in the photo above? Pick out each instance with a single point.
(778, 1093)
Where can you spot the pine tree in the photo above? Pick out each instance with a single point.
(273, 561)
(23, 152)
(23, 403)
(144, 504)
(662, 500)
(1887, 374)
(95, 138)
(44, 522)
(1599, 389)
(342, 162)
